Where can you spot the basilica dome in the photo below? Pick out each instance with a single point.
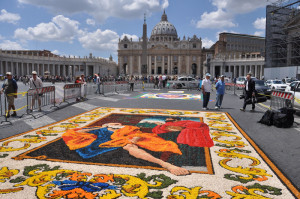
(164, 28)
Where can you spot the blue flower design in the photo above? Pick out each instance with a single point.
(67, 185)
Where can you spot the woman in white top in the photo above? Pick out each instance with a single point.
(34, 83)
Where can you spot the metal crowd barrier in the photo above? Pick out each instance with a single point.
(281, 99)
(40, 97)
(17, 109)
(72, 91)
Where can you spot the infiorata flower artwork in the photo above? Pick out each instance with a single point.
(139, 153)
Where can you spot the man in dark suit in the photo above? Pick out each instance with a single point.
(249, 92)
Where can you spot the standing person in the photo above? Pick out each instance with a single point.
(220, 87)
(164, 79)
(249, 92)
(98, 82)
(131, 83)
(10, 89)
(83, 85)
(34, 83)
(206, 88)
(78, 81)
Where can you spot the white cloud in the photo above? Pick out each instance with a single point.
(207, 43)
(133, 37)
(100, 40)
(260, 23)
(56, 52)
(10, 45)
(1, 37)
(217, 19)
(260, 33)
(102, 9)
(226, 12)
(59, 29)
(90, 22)
(9, 17)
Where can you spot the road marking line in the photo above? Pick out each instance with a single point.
(264, 105)
(107, 99)
(84, 106)
(42, 121)
(124, 94)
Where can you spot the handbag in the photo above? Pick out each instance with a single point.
(40, 94)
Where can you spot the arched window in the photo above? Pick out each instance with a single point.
(125, 45)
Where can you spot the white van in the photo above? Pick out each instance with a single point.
(241, 80)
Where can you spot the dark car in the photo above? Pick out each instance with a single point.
(262, 89)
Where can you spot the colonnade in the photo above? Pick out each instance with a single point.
(162, 64)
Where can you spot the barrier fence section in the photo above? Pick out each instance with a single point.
(281, 99)
(40, 97)
(72, 91)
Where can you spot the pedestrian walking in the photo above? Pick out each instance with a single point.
(35, 83)
(249, 93)
(220, 87)
(10, 89)
(98, 83)
(131, 83)
(206, 89)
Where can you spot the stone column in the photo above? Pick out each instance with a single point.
(163, 65)
(155, 65)
(256, 74)
(131, 65)
(261, 71)
(169, 65)
(1, 68)
(149, 65)
(234, 71)
(179, 64)
(140, 66)
(6, 67)
(22, 68)
(188, 65)
(43, 69)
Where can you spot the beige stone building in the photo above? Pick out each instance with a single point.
(163, 53)
(23, 62)
(236, 55)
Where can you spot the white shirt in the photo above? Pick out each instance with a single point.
(206, 85)
(247, 86)
(37, 83)
(98, 80)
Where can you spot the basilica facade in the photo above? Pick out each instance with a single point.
(163, 53)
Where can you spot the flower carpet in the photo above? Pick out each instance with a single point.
(180, 96)
(91, 155)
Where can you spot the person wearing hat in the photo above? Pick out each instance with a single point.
(10, 89)
(98, 82)
(36, 83)
(206, 88)
(220, 87)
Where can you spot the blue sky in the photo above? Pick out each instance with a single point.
(80, 27)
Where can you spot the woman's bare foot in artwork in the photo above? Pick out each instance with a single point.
(175, 169)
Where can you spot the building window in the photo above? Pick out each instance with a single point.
(125, 45)
(175, 58)
(152, 71)
(194, 58)
(166, 46)
(194, 45)
(158, 58)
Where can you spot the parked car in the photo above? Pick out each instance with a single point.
(277, 85)
(262, 89)
(184, 82)
(287, 81)
(292, 86)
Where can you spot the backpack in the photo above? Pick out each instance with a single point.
(284, 118)
(267, 118)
